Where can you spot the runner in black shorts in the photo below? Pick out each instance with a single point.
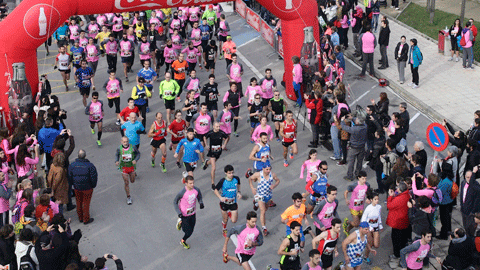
(210, 56)
(277, 106)
(228, 191)
(210, 91)
(158, 132)
(218, 140)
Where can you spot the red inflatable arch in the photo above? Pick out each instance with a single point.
(33, 21)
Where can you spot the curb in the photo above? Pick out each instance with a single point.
(398, 89)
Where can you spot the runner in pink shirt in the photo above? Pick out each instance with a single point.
(357, 201)
(311, 164)
(263, 127)
(225, 118)
(252, 90)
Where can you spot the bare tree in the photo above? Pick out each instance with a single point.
(462, 12)
(432, 10)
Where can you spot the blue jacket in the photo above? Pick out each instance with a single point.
(46, 137)
(416, 55)
(341, 59)
(61, 31)
(82, 174)
(446, 187)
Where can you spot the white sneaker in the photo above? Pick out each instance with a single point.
(410, 83)
(451, 59)
(414, 86)
(456, 60)
(129, 200)
(118, 122)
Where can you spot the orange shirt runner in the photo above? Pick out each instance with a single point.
(181, 68)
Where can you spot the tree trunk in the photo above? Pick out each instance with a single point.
(428, 5)
(462, 12)
(432, 10)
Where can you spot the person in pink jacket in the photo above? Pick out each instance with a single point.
(263, 127)
(297, 79)
(26, 164)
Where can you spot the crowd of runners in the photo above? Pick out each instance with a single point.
(172, 46)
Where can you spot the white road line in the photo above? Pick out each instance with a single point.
(414, 117)
(256, 72)
(234, 240)
(364, 94)
(251, 40)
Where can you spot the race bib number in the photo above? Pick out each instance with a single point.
(76, 34)
(76, 58)
(193, 17)
(373, 221)
(61, 37)
(118, 27)
(86, 83)
(278, 117)
(211, 57)
(64, 64)
(290, 134)
(151, 38)
(190, 210)
(193, 164)
(327, 215)
(167, 93)
(229, 201)
(127, 53)
(216, 148)
(191, 56)
(113, 89)
(328, 251)
(127, 157)
(180, 133)
(212, 97)
(210, 19)
(358, 202)
(319, 199)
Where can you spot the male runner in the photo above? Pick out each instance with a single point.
(263, 193)
(218, 141)
(229, 186)
(94, 110)
(192, 148)
(291, 247)
(288, 130)
(191, 54)
(354, 245)
(168, 89)
(325, 211)
(65, 61)
(255, 112)
(210, 91)
(126, 158)
(202, 120)
(225, 118)
(113, 87)
(149, 75)
(326, 243)
(83, 77)
(179, 67)
(295, 213)
(268, 84)
(78, 53)
(185, 203)
(234, 73)
(412, 256)
(177, 128)
(357, 201)
(317, 186)
(158, 132)
(140, 94)
(132, 129)
(125, 113)
(261, 153)
(277, 106)
(111, 48)
(249, 237)
(127, 48)
(210, 53)
(314, 263)
(195, 35)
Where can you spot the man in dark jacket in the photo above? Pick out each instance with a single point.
(405, 116)
(420, 216)
(473, 158)
(372, 126)
(383, 40)
(51, 251)
(316, 107)
(469, 199)
(83, 176)
(460, 251)
(358, 138)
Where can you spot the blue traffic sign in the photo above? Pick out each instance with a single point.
(437, 137)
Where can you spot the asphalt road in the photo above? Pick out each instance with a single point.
(143, 235)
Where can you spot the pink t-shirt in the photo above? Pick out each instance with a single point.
(252, 91)
(191, 54)
(225, 121)
(415, 259)
(92, 53)
(357, 201)
(259, 129)
(326, 215)
(188, 202)
(297, 73)
(242, 238)
(311, 166)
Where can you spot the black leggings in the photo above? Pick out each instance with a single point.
(235, 111)
(343, 144)
(160, 59)
(4, 218)
(188, 225)
(115, 101)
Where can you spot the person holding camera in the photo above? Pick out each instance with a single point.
(100, 262)
(460, 251)
(315, 104)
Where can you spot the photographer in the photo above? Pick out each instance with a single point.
(100, 262)
(460, 251)
(315, 103)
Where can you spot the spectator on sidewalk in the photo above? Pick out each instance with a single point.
(375, 14)
(405, 116)
(469, 200)
(383, 40)
(83, 176)
(401, 55)
(474, 31)
(368, 42)
(297, 79)
(358, 139)
(316, 107)
(460, 251)
(415, 60)
(473, 158)
(46, 138)
(356, 23)
(467, 37)
(397, 218)
(454, 32)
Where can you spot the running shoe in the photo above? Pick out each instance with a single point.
(179, 224)
(225, 257)
(291, 155)
(178, 165)
(224, 232)
(93, 130)
(153, 163)
(255, 205)
(278, 139)
(345, 226)
(118, 123)
(307, 230)
(126, 79)
(251, 141)
(184, 176)
(285, 163)
(235, 134)
(272, 204)
(248, 173)
(341, 163)
(147, 110)
(184, 244)
(179, 99)
(163, 167)
(129, 200)
(205, 164)
(99, 143)
(265, 232)
(367, 260)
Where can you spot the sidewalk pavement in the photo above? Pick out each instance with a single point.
(446, 90)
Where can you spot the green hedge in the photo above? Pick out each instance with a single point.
(417, 17)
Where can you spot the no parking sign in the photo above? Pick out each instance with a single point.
(437, 137)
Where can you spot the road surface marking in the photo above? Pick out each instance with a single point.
(234, 240)
(414, 117)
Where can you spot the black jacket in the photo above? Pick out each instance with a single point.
(473, 159)
(384, 37)
(7, 252)
(82, 175)
(461, 144)
(460, 255)
(403, 53)
(423, 157)
(472, 198)
(406, 120)
(52, 259)
(421, 221)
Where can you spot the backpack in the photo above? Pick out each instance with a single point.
(454, 191)
(26, 261)
(17, 209)
(437, 196)
(463, 41)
